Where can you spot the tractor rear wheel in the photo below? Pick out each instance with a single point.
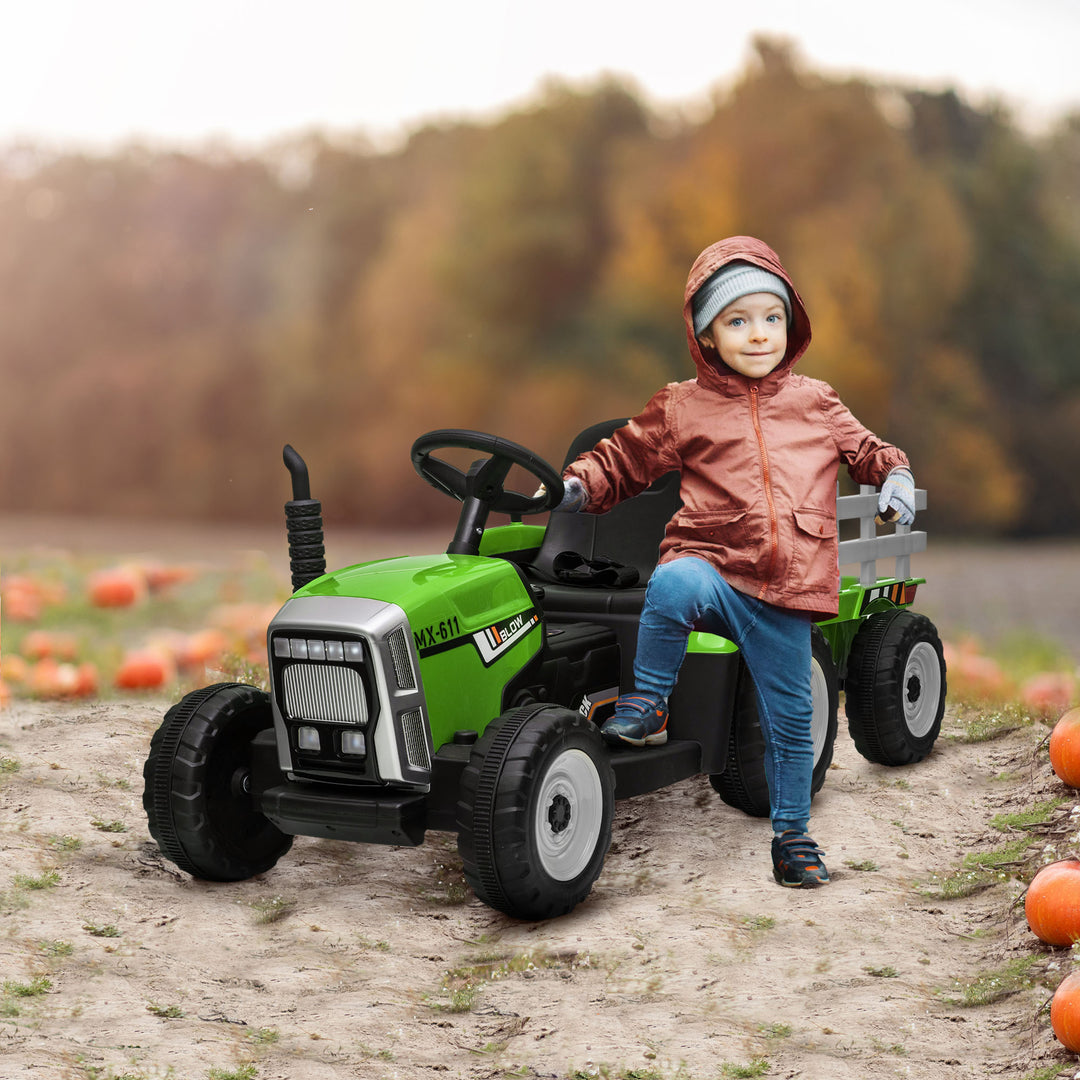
(895, 688)
(743, 783)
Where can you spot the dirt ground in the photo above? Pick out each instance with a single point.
(687, 960)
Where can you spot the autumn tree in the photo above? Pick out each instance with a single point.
(168, 320)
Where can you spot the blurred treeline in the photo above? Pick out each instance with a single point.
(168, 320)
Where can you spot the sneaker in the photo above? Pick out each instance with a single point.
(639, 719)
(797, 861)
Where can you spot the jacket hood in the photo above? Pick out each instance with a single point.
(742, 249)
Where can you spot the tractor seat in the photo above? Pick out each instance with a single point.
(629, 534)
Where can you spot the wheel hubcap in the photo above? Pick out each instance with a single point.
(240, 783)
(922, 688)
(570, 811)
(559, 813)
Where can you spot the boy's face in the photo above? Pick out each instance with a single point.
(750, 334)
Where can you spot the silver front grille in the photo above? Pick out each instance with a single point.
(323, 692)
(412, 726)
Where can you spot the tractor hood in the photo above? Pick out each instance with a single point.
(444, 597)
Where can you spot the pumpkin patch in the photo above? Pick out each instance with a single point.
(80, 627)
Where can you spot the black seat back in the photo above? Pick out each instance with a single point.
(630, 533)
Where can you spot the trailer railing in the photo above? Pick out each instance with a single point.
(869, 547)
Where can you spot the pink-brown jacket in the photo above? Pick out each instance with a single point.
(758, 458)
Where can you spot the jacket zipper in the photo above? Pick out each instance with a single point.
(774, 529)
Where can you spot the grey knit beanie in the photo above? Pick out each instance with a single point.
(731, 281)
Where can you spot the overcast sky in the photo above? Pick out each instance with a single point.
(94, 72)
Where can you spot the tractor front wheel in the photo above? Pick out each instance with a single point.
(197, 785)
(535, 810)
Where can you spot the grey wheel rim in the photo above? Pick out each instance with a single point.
(819, 718)
(569, 815)
(921, 688)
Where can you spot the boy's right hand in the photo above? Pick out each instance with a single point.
(574, 499)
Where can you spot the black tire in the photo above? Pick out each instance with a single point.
(743, 783)
(895, 688)
(534, 813)
(195, 785)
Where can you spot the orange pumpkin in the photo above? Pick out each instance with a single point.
(48, 679)
(39, 644)
(1065, 748)
(43, 679)
(144, 670)
(22, 599)
(1048, 692)
(1052, 904)
(203, 647)
(13, 668)
(119, 587)
(86, 680)
(1065, 1012)
(975, 675)
(160, 578)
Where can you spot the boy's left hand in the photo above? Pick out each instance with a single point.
(896, 503)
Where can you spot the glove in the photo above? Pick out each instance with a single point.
(897, 499)
(575, 497)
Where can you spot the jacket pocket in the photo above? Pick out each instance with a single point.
(814, 556)
(725, 534)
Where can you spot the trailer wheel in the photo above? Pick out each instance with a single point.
(196, 781)
(743, 783)
(895, 688)
(534, 812)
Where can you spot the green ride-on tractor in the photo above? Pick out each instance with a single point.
(464, 691)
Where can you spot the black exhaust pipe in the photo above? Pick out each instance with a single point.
(303, 520)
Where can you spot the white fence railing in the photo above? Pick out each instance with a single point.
(870, 547)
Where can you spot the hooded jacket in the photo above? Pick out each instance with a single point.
(758, 459)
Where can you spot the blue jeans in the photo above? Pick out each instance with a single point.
(688, 594)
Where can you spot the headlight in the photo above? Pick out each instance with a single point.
(307, 738)
(353, 742)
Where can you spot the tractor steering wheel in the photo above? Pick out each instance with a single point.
(481, 488)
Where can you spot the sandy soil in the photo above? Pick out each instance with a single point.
(687, 961)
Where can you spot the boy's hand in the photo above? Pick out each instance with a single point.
(574, 495)
(897, 499)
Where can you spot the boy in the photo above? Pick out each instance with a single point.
(752, 554)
